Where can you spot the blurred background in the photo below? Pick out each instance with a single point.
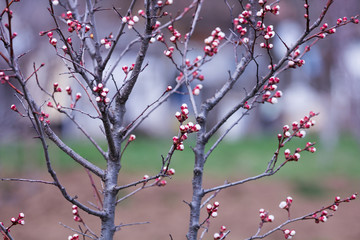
(328, 83)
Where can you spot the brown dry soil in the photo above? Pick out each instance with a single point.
(167, 213)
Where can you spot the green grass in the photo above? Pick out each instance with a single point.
(246, 157)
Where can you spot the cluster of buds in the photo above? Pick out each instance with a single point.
(56, 87)
(212, 209)
(286, 204)
(130, 20)
(221, 234)
(168, 171)
(19, 220)
(239, 28)
(310, 147)
(324, 28)
(161, 3)
(246, 105)
(243, 18)
(189, 128)
(14, 221)
(345, 20)
(159, 38)
(196, 75)
(184, 129)
(196, 90)
(212, 42)
(3, 77)
(44, 117)
(268, 33)
(102, 93)
(126, 69)
(73, 24)
(293, 63)
(53, 41)
(176, 35)
(324, 215)
(304, 123)
(169, 52)
(74, 237)
(160, 182)
(183, 114)
(106, 41)
(267, 8)
(265, 217)
(76, 214)
(271, 95)
(288, 234)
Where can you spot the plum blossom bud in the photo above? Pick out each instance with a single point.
(214, 214)
(13, 107)
(53, 41)
(168, 88)
(78, 96)
(287, 152)
(107, 45)
(270, 218)
(312, 149)
(171, 171)
(301, 134)
(145, 177)
(55, 2)
(273, 100)
(297, 156)
(291, 63)
(196, 128)
(334, 207)
(217, 236)
(283, 205)
(132, 137)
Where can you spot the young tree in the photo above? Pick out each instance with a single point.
(91, 61)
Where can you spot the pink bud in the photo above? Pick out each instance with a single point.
(13, 107)
(353, 196)
(132, 137)
(53, 41)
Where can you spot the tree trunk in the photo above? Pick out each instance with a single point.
(108, 226)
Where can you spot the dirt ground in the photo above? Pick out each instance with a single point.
(164, 208)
